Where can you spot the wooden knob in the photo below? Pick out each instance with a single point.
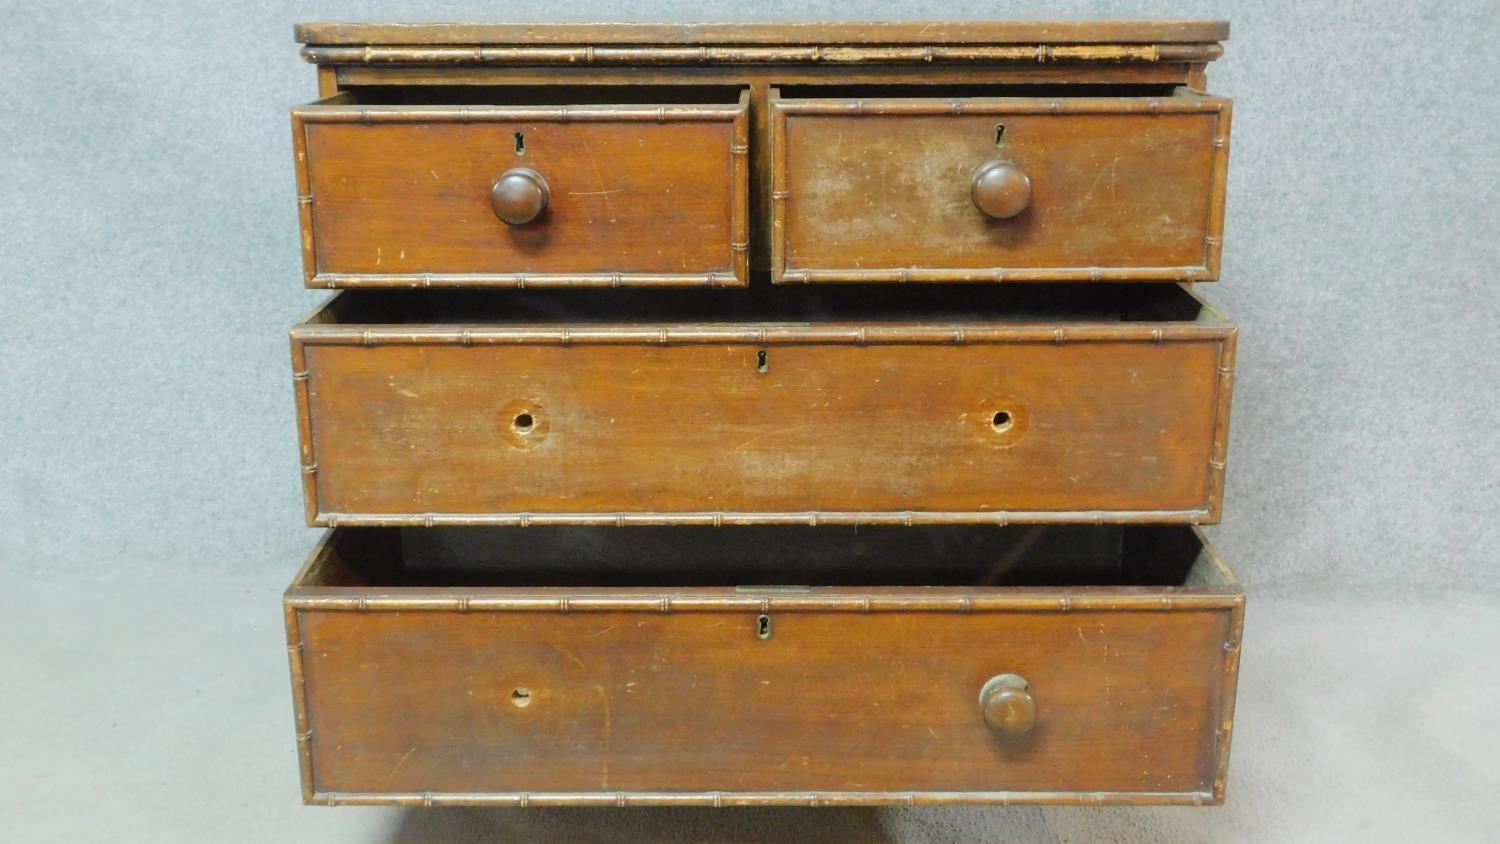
(1009, 709)
(1001, 190)
(519, 196)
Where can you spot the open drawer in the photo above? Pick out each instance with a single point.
(733, 666)
(511, 187)
(896, 405)
(980, 184)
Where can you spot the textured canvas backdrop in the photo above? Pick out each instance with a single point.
(149, 263)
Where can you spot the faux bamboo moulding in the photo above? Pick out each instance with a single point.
(697, 696)
(1111, 405)
(817, 153)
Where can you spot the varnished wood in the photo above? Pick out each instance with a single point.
(842, 32)
(745, 421)
(659, 547)
(1119, 188)
(459, 695)
(400, 195)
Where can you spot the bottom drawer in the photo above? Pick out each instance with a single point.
(724, 666)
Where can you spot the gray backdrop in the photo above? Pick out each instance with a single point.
(150, 268)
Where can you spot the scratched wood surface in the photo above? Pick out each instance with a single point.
(879, 190)
(403, 697)
(477, 419)
(400, 195)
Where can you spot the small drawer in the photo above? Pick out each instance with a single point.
(494, 187)
(869, 187)
(543, 666)
(896, 404)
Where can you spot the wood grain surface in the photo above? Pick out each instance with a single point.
(404, 698)
(879, 189)
(400, 195)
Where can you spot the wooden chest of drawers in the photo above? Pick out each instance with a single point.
(838, 534)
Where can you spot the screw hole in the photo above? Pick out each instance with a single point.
(520, 143)
(521, 698)
(1002, 421)
(999, 134)
(524, 422)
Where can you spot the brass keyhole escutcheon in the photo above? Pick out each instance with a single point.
(521, 697)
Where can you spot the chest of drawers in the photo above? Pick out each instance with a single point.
(899, 507)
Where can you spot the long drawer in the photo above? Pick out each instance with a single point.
(764, 666)
(498, 187)
(874, 187)
(1007, 404)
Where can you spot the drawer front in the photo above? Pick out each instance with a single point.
(719, 696)
(1071, 189)
(593, 426)
(622, 195)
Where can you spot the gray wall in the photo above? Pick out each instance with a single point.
(149, 264)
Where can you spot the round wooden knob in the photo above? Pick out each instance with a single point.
(1009, 709)
(1001, 190)
(519, 196)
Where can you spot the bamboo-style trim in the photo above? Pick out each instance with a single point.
(996, 106)
(338, 109)
(827, 54)
(309, 458)
(739, 178)
(918, 275)
(1176, 599)
(711, 278)
(811, 518)
(300, 718)
(1218, 188)
(622, 113)
(1219, 455)
(1183, 101)
(304, 199)
(1228, 690)
(775, 33)
(769, 798)
(757, 334)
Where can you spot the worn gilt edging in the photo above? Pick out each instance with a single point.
(765, 798)
(826, 54)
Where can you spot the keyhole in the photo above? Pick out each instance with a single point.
(524, 422)
(763, 627)
(520, 143)
(999, 133)
(1002, 420)
(760, 361)
(521, 698)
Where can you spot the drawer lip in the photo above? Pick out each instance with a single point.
(338, 108)
(1183, 101)
(1224, 593)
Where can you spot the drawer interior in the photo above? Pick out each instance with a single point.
(1015, 303)
(382, 559)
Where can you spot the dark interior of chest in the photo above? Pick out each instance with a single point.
(767, 303)
(829, 556)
